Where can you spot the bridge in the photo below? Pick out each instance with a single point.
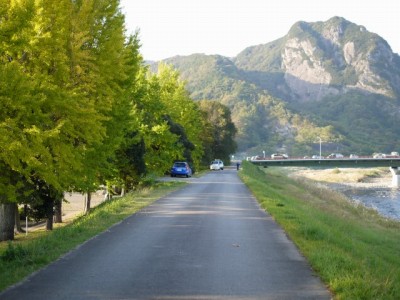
(364, 162)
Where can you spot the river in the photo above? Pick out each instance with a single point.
(374, 192)
(386, 201)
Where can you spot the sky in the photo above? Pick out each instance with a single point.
(182, 27)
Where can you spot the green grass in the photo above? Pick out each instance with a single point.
(27, 254)
(355, 251)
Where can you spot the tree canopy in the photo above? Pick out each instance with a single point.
(79, 108)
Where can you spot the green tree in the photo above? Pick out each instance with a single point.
(72, 111)
(160, 143)
(223, 129)
(170, 120)
(22, 111)
(63, 69)
(105, 73)
(183, 111)
(130, 161)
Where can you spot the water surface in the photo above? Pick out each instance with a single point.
(386, 201)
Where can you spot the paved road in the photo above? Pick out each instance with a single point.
(210, 240)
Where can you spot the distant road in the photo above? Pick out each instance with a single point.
(209, 240)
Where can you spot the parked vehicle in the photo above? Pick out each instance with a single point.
(379, 155)
(317, 157)
(392, 154)
(335, 155)
(279, 156)
(181, 168)
(256, 157)
(217, 164)
(353, 156)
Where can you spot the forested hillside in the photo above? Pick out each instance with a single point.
(333, 80)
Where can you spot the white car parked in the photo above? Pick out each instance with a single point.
(335, 155)
(279, 156)
(217, 164)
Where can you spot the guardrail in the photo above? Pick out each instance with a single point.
(361, 162)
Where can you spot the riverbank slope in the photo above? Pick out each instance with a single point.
(352, 248)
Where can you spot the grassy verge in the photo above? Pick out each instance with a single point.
(29, 253)
(354, 250)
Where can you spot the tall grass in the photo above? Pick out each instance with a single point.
(355, 251)
(25, 255)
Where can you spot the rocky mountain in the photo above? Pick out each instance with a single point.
(319, 59)
(330, 79)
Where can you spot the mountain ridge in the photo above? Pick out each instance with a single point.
(276, 90)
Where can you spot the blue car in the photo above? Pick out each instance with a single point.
(181, 168)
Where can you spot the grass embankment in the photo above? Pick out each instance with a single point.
(354, 250)
(27, 254)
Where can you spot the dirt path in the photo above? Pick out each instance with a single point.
(75, 204)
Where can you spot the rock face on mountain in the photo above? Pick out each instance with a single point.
(327, 58)
(333, 79)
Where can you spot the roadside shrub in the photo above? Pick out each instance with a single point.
(14, 253)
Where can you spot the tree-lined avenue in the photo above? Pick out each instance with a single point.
(209, 240)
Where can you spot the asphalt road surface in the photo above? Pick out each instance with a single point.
(209, 240)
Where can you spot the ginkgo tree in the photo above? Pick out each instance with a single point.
(33, 131)
(170, 120)
(63, 69)
(79, 107)
(105, 73)
(160, 143)
(182, 109)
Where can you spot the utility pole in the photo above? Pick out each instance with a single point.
(320, 147)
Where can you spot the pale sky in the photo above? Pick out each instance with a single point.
(226, 27)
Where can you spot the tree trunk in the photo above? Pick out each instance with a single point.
(58, 211)
(49, 206)
(49, 223)
(7, 221)
(88, 200)
(18, 227)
